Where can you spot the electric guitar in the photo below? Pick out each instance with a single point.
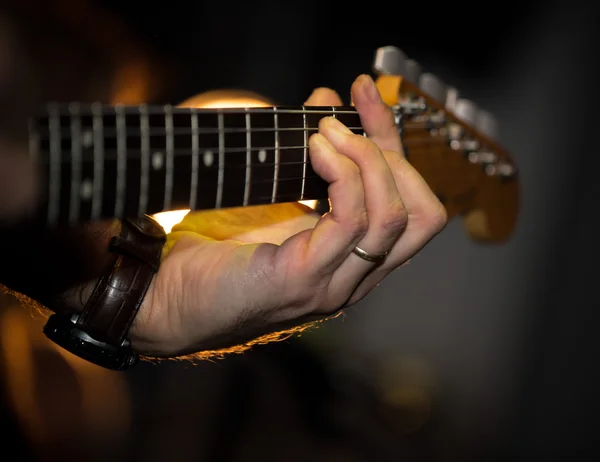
(102, 161)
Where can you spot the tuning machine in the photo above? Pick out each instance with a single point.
(389, 60)
(412, 71)
(487, 124)
(449, 119)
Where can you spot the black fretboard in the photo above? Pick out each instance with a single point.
(110, 162)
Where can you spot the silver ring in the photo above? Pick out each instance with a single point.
(375, 258)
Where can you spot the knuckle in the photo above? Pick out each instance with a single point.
(436, 218)
(396, 217)
(352, 176)
(365, 145)
(358, 224)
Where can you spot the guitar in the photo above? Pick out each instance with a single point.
(101, 161)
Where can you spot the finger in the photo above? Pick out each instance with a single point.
(323, 97)
(385, 209)
(376, 117)
(325, 247)
(426, 215)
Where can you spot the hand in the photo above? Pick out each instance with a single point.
(214, 294)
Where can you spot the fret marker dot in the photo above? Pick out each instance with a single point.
(262, 156)
(157, 160)
(208, 158)
(87, 139)
(86, 189)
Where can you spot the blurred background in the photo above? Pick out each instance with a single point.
(471, 352)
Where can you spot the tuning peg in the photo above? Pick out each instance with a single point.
(412, 71)
(433, 86)
(466, 110)
(487, 124)
(389, 60)
(451, 98)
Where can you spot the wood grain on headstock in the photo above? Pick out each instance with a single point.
(487, 203)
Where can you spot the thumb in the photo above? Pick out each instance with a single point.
(323, 97)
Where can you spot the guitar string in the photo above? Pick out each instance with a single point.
(87, 110)
(114, 111)
(211, 153)
(410, 141)
(45, 133)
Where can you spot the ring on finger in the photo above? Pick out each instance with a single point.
(371, 257)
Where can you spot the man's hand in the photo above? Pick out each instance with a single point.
(211, 294)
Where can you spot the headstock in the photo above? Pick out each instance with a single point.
(454, 146)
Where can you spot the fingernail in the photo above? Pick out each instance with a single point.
(337, 126)
(321, 142)
(370, 88)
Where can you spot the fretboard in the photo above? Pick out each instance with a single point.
(113, 161)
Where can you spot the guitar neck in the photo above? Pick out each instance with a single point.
(103, 162)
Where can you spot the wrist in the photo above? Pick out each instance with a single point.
(95, 324)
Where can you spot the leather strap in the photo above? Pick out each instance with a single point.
(118, 295)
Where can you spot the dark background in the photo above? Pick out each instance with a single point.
(500, 339)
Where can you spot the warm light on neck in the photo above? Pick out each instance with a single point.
(212, 100)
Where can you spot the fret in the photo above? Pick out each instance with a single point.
(127, 143)
(157, 190)
(55, 164)
(304, 152)
(235, 164)
(291, 166)
(83, 193)
(114, 157)
(277, 156)
(221, 166)
(168, 195)
(76, 163)
(121, 161)
(262, 157)
(248, 177)
(195, 161)
(34, 141)
(207, 140)
(315, 187)
(145, 161)
(184, 150)
(98, 179)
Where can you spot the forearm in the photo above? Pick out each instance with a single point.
(57, 268)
